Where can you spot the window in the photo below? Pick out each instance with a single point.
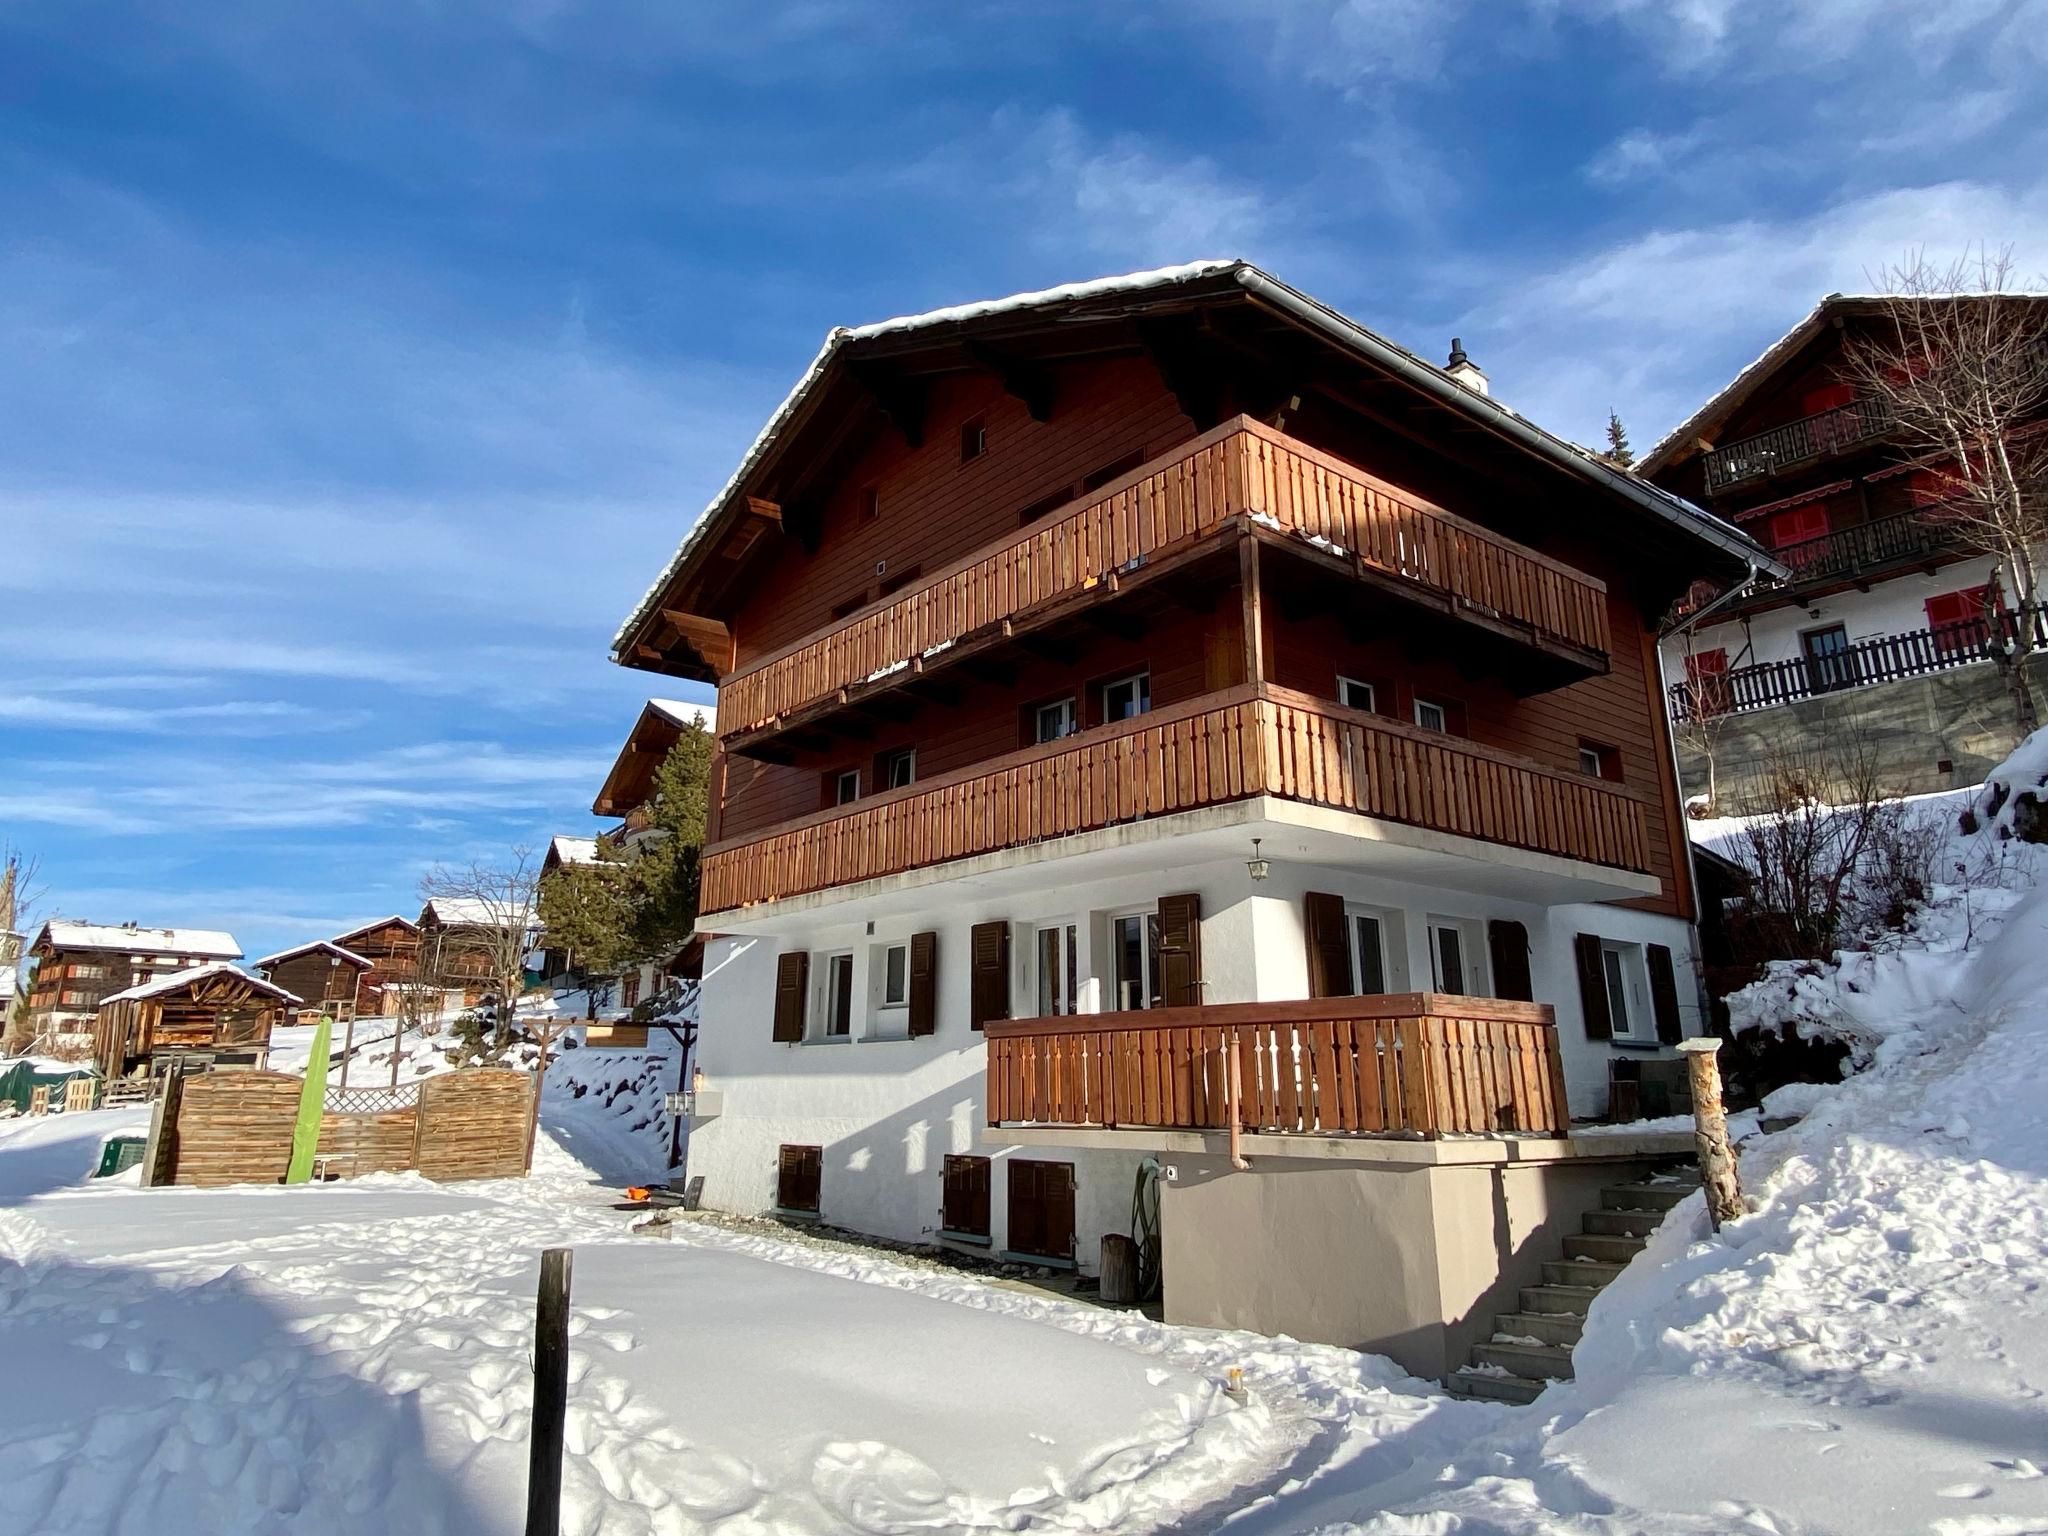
(846, 786)
(629, 989)
(1115, 469)
(836, 1015)
(896, 581)
(889, 992)
(1621, 967)
(1597, 760)
(1126, 698)
(870, 504)
(1056, 959)
(851, 606)
(1353, 694)
(1134, 959)
(1052, 721)
(973, 439)
(1830, 664)
(1957, 619)
(1368, 952)
(896, 769)
(964, 1212)
(1456, 957)
(896, 976)
(1431, 716)
(1796, 528)
(799, 1174)
(1706, 674)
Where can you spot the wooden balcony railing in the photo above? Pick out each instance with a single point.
(1233, 745)
(1796, 442)
(1860, 548)
(1240, 469)
(1409, 1064)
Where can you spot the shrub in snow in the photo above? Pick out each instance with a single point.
(2010, 803)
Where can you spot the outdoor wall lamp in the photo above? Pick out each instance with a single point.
(1258, 866)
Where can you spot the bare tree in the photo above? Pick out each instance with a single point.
(19, 896)
(1959, 357)
(1700, 717)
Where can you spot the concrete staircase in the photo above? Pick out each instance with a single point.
(1532, 1347)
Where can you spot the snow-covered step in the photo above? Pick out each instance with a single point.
(1623, 1223)
(1559, 1300)
(1501, 1386)
(1643, 1197)
(1549, 1327)
(1535, 1361)
(1609, 1250)
(1580, 1272)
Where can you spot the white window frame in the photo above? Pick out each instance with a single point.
(1629, 1013)
(1393, 947)
(1067, 939)
(1443, 716)
(887, 1019)
(1148, 979)
(827, 995)
(1589, 762)
(839, 794)
(1069, 706)
(1346, 686)
(904, 757)
(1141, 685)
(1471, 955)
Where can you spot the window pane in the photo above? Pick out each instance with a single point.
(1371, 956)
(839, 1000)
(1048, 972)
(1137, 945)
(1429, 716)
(1127, 698)
(1617, 990)
(896, 970)
(1450, 959)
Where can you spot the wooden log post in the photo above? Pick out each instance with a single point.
(550, 1395)
(1710, 1131)
(1119, 1270)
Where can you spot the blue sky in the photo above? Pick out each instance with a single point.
(359, 365)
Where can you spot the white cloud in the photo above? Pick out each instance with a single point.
(229, 716)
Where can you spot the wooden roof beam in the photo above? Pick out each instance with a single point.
(1026, 382)
(900, 397)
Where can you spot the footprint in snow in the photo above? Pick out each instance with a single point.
(1963, 1491)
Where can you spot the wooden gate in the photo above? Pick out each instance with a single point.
(472, 1124)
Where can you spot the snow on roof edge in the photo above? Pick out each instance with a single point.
(299, 949)
(68, 933)
(177, 979)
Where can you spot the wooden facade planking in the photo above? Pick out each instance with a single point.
(1411, 1064)
(1271, 740)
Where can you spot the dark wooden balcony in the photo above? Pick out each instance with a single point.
(1415, 1064)
(1884, 659)
(1805, 441)
(1243, 475)
(1234, 745)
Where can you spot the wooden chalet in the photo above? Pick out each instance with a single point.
(1126, 680)
(324, 976)
(217, 1013)
(457, 939)
(391, 945)
(78, 965)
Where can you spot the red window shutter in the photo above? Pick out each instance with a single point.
(1797, 524)
(1180, 951)
(924, 983)
(990, 992)
(1329, 947)
(792, 978)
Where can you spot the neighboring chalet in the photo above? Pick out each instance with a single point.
(215, 1015)
(79, 965)
(1113, 675)
(1875, 636)
(458, 938)
(391, 945)
(325, 977)
(551, 960)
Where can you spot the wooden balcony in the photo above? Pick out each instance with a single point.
(1804, 441)
(1241, 472)
(1417, 1064)
(1234, 745)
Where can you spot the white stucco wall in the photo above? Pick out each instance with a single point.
(888, 1110)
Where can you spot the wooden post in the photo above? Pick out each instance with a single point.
(348, 1047)
(550, 1395)
(159, 1155)
(1119, 1270)
(1710, 1131)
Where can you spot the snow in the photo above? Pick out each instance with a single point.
(574, 850)
(196, 942)
(346, 956)
(679, 713)
(171, 981)
(478, 912)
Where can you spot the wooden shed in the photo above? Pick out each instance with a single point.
(327, 978)
(218, 1011)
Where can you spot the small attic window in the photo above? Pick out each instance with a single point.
(870, 503)
(973, 439)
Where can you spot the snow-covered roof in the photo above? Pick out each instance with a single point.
(573, 850)
(1339, 328)
(61, 934)
(381, 922)
(476, 912)
(682, 714)
(177, 980)
(347, 956)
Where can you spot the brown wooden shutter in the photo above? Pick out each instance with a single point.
(1329, 946)
(1507, 942)
(792, 979)
(1663, 993)
(800, 1178)
(924, 983)
(1592, 987)
(990, 993)
(1180, 951)
(1041, 1208)
(966, 1196)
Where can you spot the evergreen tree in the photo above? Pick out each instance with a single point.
(1618, 451)
(667, 870)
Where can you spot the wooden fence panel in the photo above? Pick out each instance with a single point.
(472, 1124)
(374, 1143)
(235, 1128)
